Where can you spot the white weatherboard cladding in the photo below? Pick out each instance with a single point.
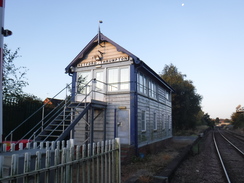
(114, 102)
(162, 110)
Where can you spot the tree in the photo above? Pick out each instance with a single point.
(207, 120)
(217, 121)
(185, 100)
(13, 77)
(238, 118)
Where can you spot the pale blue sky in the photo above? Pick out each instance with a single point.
(204, 39)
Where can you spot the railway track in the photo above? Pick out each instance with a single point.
(230, 150)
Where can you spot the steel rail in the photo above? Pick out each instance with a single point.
(240, 151)
(221, 160)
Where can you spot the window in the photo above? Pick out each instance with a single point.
(124, 78)
(152, 89)
(83, 79)
(154, 121)
(163, 122)
(167, 95)
(118, 79)
(143, 121)
(142, 84)
(113, 79)
(146, 86)
(169, 120)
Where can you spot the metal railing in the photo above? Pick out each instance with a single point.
(46, 119)
(61, 163)
(87, 92)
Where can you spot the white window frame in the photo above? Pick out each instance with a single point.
(119, 84)
(167, 95)
(142, 84)
(163, 122)
(143, 121)
(169, 122)
(155, 126)
(152, 89)
(87, 77)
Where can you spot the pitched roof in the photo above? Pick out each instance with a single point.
(92, 44)
(100, 37)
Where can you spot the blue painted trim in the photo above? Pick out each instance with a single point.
(133, 108)
(74, 77)
(115, 124)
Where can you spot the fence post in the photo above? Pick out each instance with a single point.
(47, 145)
(4, 147)
(78, 156)
(47, 165)
(14, 165)
(63, 161)
(109, 160)
(102, 162)
(106, 161)
(12, 147)
(84, 163)
(37, 166)
(58, 145)
(26, 165)
(53, 145)
(93, 162)
(117, 160)
(98, 161)
(56, 163)
(20, 146)
(1, 166)
(35, 145)
(41, 145)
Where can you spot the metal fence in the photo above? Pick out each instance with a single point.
(59, 163)
(15, 111)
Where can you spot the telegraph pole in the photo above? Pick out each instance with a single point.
(4, 33)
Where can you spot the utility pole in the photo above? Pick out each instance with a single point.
(4, 33)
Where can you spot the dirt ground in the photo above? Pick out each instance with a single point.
(141, 170)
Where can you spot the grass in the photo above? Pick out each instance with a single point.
(191, 132)
(144, 168)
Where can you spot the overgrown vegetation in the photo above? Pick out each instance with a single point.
(238, 118)
(17, 105)
(186, 108)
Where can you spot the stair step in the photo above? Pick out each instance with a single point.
(49, 136)
(50, 130)
(59, 125)
(76, 104)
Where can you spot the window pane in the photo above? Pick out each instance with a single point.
(124, 78)
(113, 79)
(99, 78)
(82, 80)
(163, 122)
(141, 83)
(154, 121)
(143, 121)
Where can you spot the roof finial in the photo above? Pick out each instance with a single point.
(100, 21)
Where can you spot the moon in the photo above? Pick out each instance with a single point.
(182, 4)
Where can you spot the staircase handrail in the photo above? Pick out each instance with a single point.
(31, 131)
(60, 106)
(69, 115)
(35, 112)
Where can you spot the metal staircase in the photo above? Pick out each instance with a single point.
(59, 124)
(62, 125)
